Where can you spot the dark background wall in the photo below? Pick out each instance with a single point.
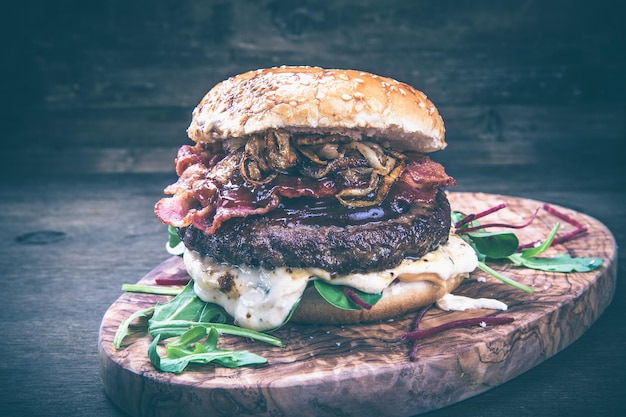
(109, 86)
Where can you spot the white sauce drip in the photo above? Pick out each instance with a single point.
(450, 302)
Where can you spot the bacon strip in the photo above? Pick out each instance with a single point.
(210, 189)
(420, 181)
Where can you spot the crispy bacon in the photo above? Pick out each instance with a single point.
(420, 181)
(194, 155)
(176, 210)
(210, 189)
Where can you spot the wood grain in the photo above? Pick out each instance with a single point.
(346, 370)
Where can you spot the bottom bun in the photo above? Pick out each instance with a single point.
(399, 298)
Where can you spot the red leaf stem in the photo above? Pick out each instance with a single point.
(563, 216)
(354, 297)
(509, 226)
(175, 280)
(416, 325)
(471, 217)
(419, 334)
(556, 240)
(580, 228)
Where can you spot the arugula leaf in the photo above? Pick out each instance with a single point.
(334, 294)
(187, 319)
(187, 349)
(122, 330)
(503, 278)
(559, 263)
(150, 289)
(538, 250)
(172, 328)
(187, 306)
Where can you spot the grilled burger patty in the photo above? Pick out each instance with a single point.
(317, 236)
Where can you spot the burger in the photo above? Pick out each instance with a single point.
(308, 195)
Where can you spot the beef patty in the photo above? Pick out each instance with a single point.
(371, 240)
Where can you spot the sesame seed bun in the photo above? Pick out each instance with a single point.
(320, 101)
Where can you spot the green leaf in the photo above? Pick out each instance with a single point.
(559, 263)
(538, 250)
(172, 236)
(240, 358)
(187, 319)
(187, 306)
(509, 281)
(193, 334)
(212, 313)
(186, 349)
(174, 245)
(211, 340)
(335, 295)
(150, 289)
(495, 245)
(173, 328)
(122, 330)
(155, 359)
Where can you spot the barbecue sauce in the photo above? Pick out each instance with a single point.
(327, 212)
(305, 201)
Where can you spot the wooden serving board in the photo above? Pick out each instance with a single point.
(346, 370)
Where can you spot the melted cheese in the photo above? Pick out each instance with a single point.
(262, 299)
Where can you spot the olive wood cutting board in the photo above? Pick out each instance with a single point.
(332, 370)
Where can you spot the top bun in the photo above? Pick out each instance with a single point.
(316, 100)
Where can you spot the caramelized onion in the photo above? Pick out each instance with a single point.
(335, 165)
(320, 140)
(310, 154)
(360, 192)
(383, 189)
(225, 169)
(253, 166)
(367, 169)
(375, 156)
(279, 153)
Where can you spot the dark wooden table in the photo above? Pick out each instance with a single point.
(96, 99)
